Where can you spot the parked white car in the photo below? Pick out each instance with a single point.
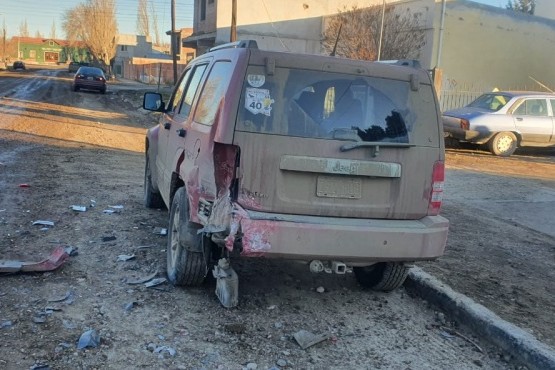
(504, 121)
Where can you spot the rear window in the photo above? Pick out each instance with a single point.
(317, 104)
(491, 102)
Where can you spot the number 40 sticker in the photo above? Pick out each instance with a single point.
(258, 101)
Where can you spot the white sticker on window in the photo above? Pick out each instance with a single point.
(256, 80)
(258, 101)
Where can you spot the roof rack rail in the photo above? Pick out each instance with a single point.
(403, 62)
(244, 44)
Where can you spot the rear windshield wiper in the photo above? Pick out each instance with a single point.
(373, 144)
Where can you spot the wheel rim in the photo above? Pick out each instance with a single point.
(174, 240)
(505, 143)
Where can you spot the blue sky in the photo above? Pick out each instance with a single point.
(40, 14)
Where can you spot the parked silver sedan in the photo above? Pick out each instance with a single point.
(504, 120)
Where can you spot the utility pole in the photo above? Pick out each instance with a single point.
(381, 32)
(3, 38)
(233, 35)
(174, 46)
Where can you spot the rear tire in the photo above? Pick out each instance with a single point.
(184, 268)
(75, 88)
(152, 197)
(383, 276)
(503, 144)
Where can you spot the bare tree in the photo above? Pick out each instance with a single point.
(24, 29)
(157, 39)
(38, 35)
(53, 30)
(524, 6)
(93, 23)
(402, 38)
(143, 23)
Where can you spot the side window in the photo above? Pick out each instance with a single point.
(213, 91)
(532, 107)
(178, 92)
(196, 76)
(553, 106)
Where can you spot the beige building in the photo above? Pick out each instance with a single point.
(478, 47)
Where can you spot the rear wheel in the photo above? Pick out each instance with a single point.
(75, 88)
(184, 267)
(503, 144)
(152, 197)
(383, 276)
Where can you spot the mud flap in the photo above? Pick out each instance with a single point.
(227, 284)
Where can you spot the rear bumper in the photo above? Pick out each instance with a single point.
(91, 85)
(348, 240)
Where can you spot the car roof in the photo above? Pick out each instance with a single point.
(516, 94)
(90, 70)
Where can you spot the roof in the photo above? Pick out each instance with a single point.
(43, 40)
(522, 93)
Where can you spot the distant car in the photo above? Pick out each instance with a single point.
(89, 78)
(18, 65)
(73, 67)
(504, 120)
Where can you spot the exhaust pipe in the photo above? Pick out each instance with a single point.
(337, 267)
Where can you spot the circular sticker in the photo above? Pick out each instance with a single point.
(256, 80)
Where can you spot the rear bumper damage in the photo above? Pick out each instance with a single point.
(347, 239)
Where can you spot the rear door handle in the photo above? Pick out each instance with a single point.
(167, 125)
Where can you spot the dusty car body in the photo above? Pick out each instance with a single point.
(336, 162)
(505, 120)
(18, 65)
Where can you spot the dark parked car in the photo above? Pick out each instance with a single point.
(74, 66)
(89, 78)
(18, 65)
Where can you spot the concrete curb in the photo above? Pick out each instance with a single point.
(519, 343)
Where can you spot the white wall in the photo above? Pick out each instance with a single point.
(545, 8)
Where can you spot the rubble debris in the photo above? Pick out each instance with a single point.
(116, 207)
(163, 349)
(306, 339)
(67, 297)
(6, 324)
(109, 211)
(129, 306)
(108, 238)
(78, 208)
(320, 289)
(40, 366)
(71, 251)
(93, 203)
(142, 280)
(43, 223)
(90, 338)
(125, 257)
(41, 319)
(155, 282)
(24, 185)
(57, 258)
(161, 231)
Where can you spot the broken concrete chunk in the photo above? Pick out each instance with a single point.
(155, 282)
(306, 339)
(125, 257)
(90, 338)
(141, 280)
(108, 238)
(79, 208)
(55, 260)
(162, 349)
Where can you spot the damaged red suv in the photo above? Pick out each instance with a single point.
(335, 162)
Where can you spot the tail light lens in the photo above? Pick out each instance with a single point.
(465, 125)
(436, 196)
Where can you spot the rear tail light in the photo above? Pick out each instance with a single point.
(465, 125)
(436, 196)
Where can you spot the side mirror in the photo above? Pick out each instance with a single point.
(153, 102)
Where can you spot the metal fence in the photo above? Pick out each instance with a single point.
(152, 73)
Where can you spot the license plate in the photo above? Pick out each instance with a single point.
(339, 187)
(89, 78)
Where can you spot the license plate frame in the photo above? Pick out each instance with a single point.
(342, 187)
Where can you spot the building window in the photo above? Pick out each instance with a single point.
(123, 47)
(189, 57)
(32, 54)
(51, 43)
(210, 1)
(202, 10)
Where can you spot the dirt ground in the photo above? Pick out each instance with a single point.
(86, 149)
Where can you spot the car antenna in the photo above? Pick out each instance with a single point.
(336, 40)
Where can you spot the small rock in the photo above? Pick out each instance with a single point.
(278, 325)
(281, 362)
(151, 347)
(478, 363)
(252, 366)
(440, 317)
(320, 289)
(286, 353)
